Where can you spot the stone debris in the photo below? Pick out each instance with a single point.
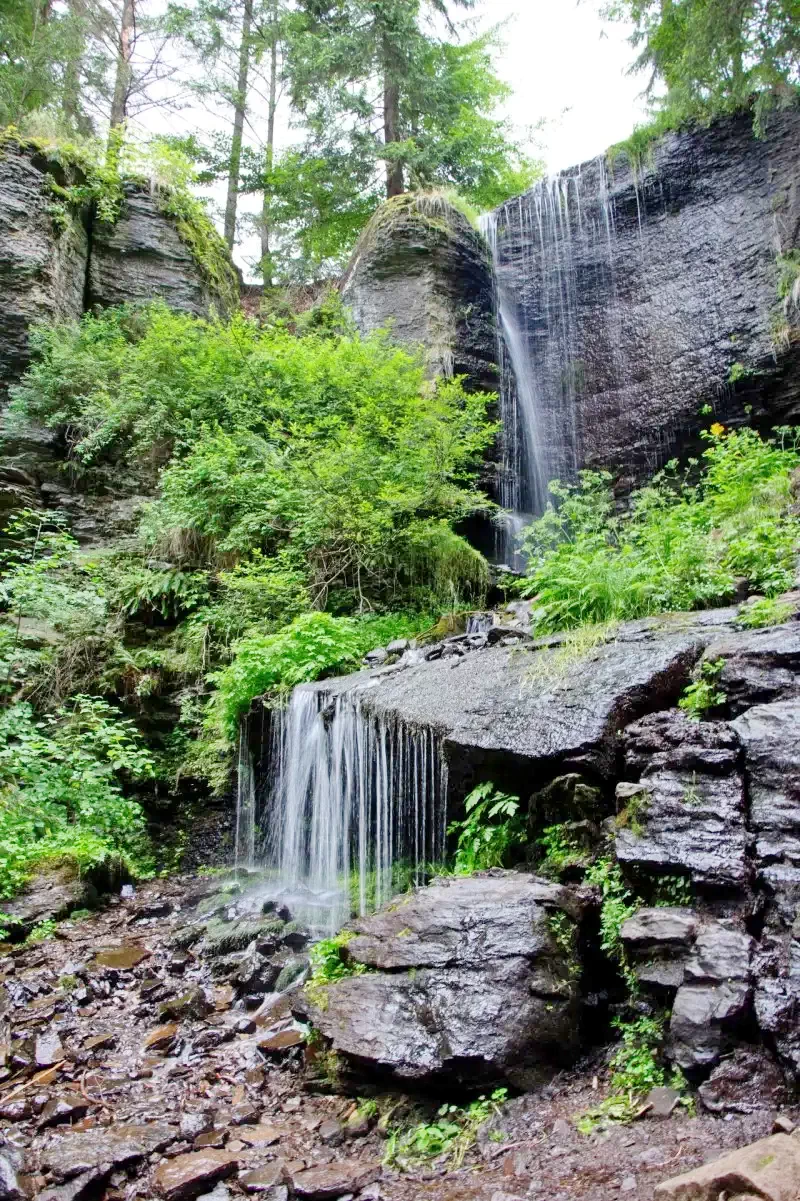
(769, 1169)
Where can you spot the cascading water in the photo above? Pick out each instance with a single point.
(536, 241)
(353, 798)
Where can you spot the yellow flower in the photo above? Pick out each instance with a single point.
(717, 430)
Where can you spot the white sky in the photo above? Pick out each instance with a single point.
(566, 68)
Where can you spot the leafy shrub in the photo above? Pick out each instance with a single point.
(766, 611)
(678, 545)
(329, 963)
(635, 1068)
(60, 789)
(448, 1138)
(561, 848)
(493, 824)
(704, 693)
(616, 906)
(312, 646)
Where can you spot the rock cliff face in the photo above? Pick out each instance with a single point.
(639, 296)
(57, 260)
(42, 266)
(423, 269)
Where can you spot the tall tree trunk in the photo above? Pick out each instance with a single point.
(266, 223)
(240, 108)
(124, 76)
(391, 120)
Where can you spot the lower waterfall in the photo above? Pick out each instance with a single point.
(355, 804)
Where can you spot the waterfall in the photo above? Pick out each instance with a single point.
(536, 242)
(353, 800)
(245, 806)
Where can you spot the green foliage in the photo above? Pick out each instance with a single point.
(765, 611)
(41, 932)
(329, 963)
(673, 891)
(561, 848)
(492, 826)
(60, 789)
(616, 906)
(447, 1139)
(678, 545)
(715, 58)
(636, 808)
(704, 693)
(635, 1068)
(312, 646)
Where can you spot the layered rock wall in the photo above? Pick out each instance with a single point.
(643, 294)
(57, 260)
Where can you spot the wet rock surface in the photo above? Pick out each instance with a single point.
(468, 981)
(669, 270)
(429, 275)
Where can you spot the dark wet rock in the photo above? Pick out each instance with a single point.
(539, 715)
(50, 896)
(421, 267)
(194, 1124)
(255, 974)
(686, 814)
(62, 1111)
(375, 657)
(745, 1082)
(49, 1049)
(673, 260)
(658, 942)
(191, 1004)
(264, 1179)
(661, 1102)
(10, 1170)
(489, 989)
(223, 938)
(331, 1133)
(279, 1042)
(189, 1176)
(770, 735)
(567, 798)
(334, 1179)
(153, 909)
(71, 1154)
(245, 1115)
(715, 996)
(761, 666)
(100, 1042)
(161, 1039)
(83, 1188)
(142, 257)
(42, 267)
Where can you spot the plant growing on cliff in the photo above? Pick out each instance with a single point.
(492, 826)
(635, 1068)
(678, 545)
(329, 963)
(617, 904)
(765, 611)
(704, 692)
(448, 1138)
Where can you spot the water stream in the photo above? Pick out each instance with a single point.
(355, 806)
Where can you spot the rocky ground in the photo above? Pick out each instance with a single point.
(142, 1060)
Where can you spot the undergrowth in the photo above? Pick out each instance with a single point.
(492, 826)
(447, 1139)
(685, 541)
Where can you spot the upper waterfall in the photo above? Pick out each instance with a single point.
(540, 244)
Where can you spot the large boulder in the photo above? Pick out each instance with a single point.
(470, 980)
(423, 270)
(43, 251)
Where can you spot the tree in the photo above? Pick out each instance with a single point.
(715, 56)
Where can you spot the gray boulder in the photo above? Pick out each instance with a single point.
(770, 735)
(142, 257)
(658, 942)
(421, 268)
(472, 979)
(715, 996)
(761, 666)
(688, 815)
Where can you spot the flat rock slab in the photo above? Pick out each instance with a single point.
(75, 1152)
(769, 1169)
(334, 1179)
(536, 705)
(490, 986)
(192, 1175)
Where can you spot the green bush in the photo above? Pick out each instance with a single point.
(678, 545)
(61, 789)
(704, 692)
(493, 824)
